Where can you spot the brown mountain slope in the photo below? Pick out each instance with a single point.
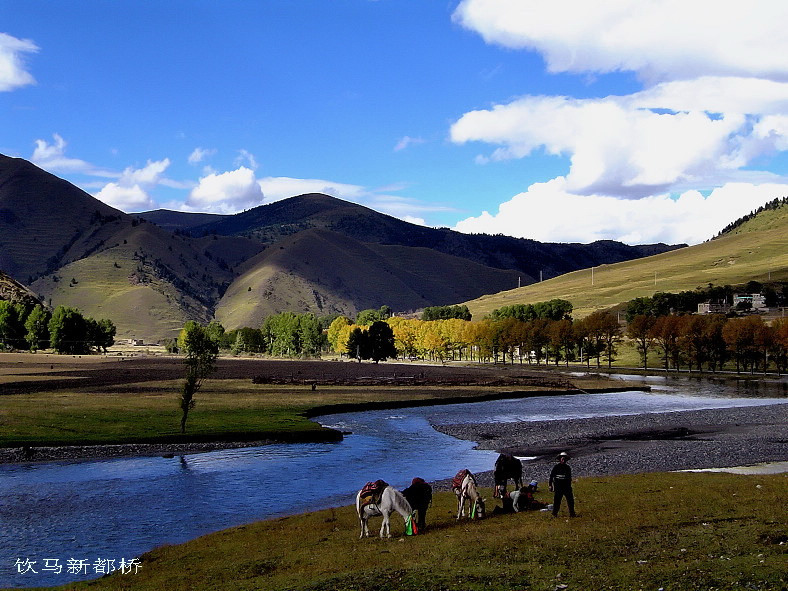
(325, 272)
(179, 220)
(13, 291)
(45, 221)
(269, 223)
(77, 251)
(147, 281)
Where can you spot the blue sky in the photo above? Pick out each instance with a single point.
(558, 121)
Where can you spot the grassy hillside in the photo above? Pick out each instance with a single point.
(756, 250)
(147, 281)
(324, 272)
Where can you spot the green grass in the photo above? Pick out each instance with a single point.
(226, 410)
(758, 250)
(675, 531)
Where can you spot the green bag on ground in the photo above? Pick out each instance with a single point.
(411, 529)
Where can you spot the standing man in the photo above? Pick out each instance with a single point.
(561, 484)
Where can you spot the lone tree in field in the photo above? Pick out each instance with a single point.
(201, 353)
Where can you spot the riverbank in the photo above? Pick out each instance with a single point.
(654, 442)
(644, 531)
(86, 407)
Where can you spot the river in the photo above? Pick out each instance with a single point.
(77, 514)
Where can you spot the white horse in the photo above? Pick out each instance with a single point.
(468, 491)
(391, 500)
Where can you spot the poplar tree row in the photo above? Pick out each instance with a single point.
(712, 341)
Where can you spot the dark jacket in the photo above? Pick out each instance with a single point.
(561, 476)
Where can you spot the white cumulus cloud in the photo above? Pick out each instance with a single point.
(125, 198)
(130, 193)
(714, 105)
(548, 212)
(227, 192)
(658, 39)
(640, 144)
(13, 72)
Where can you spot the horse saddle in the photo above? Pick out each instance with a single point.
(456, 482)
(372, 491)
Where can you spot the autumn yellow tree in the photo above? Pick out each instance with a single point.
(335, 329)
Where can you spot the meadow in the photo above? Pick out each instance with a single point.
(668, 531)
(54, 400)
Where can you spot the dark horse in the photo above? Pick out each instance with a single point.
(419, 495)
(506, 467)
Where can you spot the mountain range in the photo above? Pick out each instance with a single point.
(151, 272)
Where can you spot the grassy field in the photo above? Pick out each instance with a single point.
(675, 531)
(63, 400)
(758, 250)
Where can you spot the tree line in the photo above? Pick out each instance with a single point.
(712, 341)
(66, 330)
(540, 333)
(686, 302)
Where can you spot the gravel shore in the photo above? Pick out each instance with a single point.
(655, 442)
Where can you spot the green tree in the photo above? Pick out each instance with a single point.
(280, 333)
(248, 340)
(640, 330)
(358, 344)
(68, 331)
(381, 342)
(555, 309)
(12, 328)
(446, 313)
(216, 332)
(37, 326)
(201, 351)
(100, 333)
(367, 317)
(310, 335)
